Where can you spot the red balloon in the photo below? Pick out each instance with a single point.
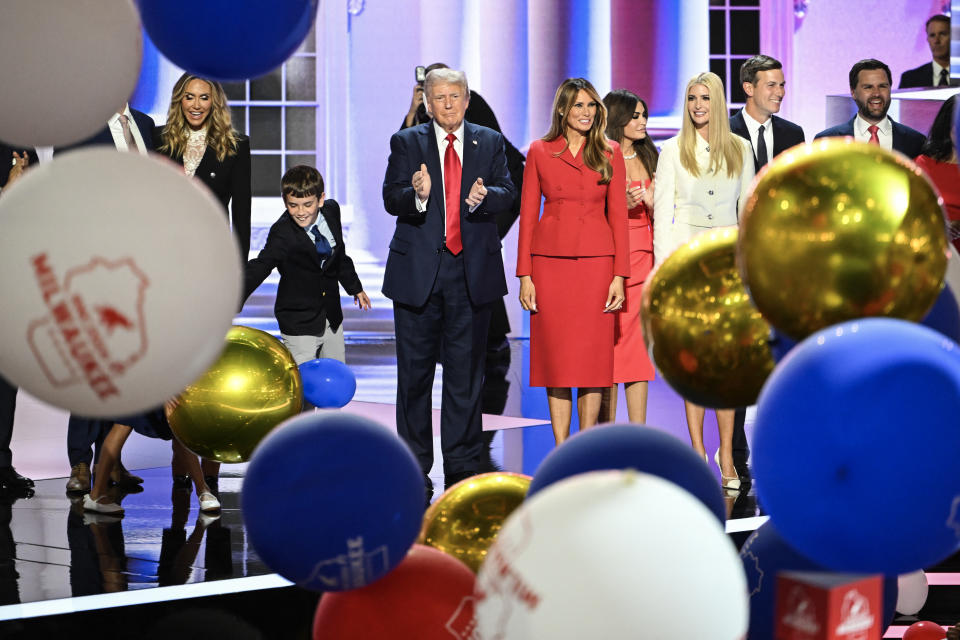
(924, 630)
(428, 596)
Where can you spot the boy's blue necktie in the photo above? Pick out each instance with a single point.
(323, 247)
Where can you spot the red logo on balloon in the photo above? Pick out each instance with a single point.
(462, 625)
(95, 328)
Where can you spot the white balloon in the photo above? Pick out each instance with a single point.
(612, 554)
(912, 592)
(119, 278)
(67, 66)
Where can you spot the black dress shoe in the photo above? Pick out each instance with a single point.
(10, 479)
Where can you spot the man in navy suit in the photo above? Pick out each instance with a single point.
(126, 130)
(935, 73)
(445, 182)
(870, 89)
(769, 135)
(13, 162)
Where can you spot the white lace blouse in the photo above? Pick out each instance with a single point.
(196, 147)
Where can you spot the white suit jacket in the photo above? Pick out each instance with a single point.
(684, 205)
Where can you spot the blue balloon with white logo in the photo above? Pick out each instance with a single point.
(327, 383)
(765, 554)
(860, 416)
(630, 446)
(228, 40)
(332, 501)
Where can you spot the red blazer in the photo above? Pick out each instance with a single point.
(946, 177)
(580, 217)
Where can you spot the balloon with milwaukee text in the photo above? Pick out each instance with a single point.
(120, 279)
(606, 554)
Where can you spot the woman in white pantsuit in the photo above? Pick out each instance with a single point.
(702, 179)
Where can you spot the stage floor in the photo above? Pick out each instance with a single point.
(55, 559)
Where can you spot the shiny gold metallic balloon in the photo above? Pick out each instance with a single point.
(465, 520)
(708, 340)
(253, 386)
(836, 230)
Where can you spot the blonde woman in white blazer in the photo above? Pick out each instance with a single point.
(702, 180)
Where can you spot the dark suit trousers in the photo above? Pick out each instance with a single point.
(741, 451)
(8, 406)
(82, 434)
(448, 317)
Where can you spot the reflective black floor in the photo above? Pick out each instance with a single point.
(51, 549)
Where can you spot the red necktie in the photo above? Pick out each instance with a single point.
(874, 138)
(451, 194)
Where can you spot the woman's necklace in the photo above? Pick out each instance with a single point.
(631, 156)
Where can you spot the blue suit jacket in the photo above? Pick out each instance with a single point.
(414, 257)
(905, 140)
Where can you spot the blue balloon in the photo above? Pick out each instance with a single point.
(327, 383)
(764, 555)
(332, 501)
(944, 316)
(861, 416)
(225, 39)
(628, 446)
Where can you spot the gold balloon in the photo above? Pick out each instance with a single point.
(708, 340)
(465, 520)
(253, 386)
(836, 230)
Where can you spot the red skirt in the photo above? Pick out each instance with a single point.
(631, 362)
(571, 338)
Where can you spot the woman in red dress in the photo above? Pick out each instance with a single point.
(939, 159)
(627, 124)
(573, 259)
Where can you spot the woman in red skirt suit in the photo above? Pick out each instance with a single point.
(572, 259)
(627, 124)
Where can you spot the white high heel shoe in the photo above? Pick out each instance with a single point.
(730, 483)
